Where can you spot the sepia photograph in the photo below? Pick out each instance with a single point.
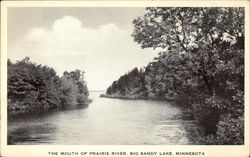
(139, 75)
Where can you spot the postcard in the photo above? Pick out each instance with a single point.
(125, 78)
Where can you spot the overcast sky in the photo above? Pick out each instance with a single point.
(96, 40)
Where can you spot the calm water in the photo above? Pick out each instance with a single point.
(104, 121)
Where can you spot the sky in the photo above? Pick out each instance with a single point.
(95, 40)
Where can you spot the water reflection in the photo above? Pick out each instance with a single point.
(103, 122)
(31, 135)
(31, 127)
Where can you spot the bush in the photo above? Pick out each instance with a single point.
(81, 99)
(230, 131)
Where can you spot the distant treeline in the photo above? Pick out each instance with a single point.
(32, 86)
(201, 67)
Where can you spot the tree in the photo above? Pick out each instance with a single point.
(201, 59)
(74, 87)
(32, 86)
(202, 35)
(78, 78)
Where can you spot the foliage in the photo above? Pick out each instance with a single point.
(74, 89)
(32, 86)
(200, 64)
(230, 132)
(77, 77)
(128, 84)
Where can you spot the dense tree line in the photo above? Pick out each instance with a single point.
(130, 84)
(200, 66)
(32, 86)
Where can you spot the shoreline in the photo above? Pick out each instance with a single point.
(14, 108)
(128, 97)
(134, 98)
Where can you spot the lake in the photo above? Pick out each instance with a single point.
(105, 121)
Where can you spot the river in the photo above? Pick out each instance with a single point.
(105, 121)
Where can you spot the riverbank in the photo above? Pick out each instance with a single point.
(21, 107)
(134, 97)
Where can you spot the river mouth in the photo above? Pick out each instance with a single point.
(103, 122)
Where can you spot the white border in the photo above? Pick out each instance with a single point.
(42, 150)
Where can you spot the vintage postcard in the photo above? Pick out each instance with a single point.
(125, 78)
